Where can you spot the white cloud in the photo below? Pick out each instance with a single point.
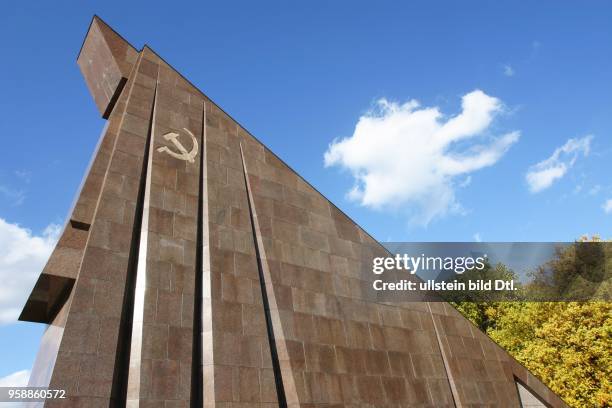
(22, 257)
(595, 189)
(24, 175)
(466, 182)
(543, 174)
(508, 70)
(477, 237)
(607, 206)
(15, 196)
(405, 155)
(16, 379)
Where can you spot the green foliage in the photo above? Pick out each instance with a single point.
(475, 305)
(566, 344)
(582, 271)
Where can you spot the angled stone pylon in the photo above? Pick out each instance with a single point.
(197, 269)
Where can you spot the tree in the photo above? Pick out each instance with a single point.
(480, 307)
(566, 344)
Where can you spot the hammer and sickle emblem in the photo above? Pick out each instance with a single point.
(184, 154)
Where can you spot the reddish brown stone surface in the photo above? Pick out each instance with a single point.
(106, 61)
(200, 270)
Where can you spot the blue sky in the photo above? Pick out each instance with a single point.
(301, 76)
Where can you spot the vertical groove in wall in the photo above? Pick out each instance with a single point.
(280, 389)
(114, 98)
(449, 374)
(124, 339)
(206, 335)
(197, 377)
